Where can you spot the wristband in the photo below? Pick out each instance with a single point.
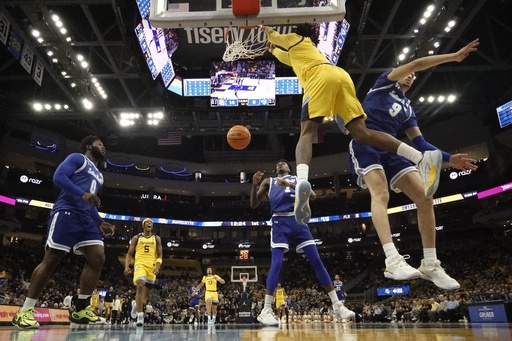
(159, 260)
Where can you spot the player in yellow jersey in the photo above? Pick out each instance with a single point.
(147, 248)
(211, 296)
(330, 93)
(280, 295)
(95, 300)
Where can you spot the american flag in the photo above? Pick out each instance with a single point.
(170, 138)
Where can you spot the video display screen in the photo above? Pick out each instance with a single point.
(243, 83)
(505, 114)
(196, 87)
(391, 291)
(332, 36)
(157, 45)
(176, 86)
(288, 86)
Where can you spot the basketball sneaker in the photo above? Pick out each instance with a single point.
(301, 208)
(25, 319)
(133, 313)
(432, 271)
(267, 317)
(340, 311)
(398, 269)
(86, 316)
(430, 169)
(140, 320)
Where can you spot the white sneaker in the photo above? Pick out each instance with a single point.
(140, 320)
(432, 271)
(430, 169)
(301, 208)
(267, 317)
(340, 311)
(398, 269)
(133, 313)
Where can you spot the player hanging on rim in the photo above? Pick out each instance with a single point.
(211, 296)
(330, 92)
(147, 248)
(280, 192)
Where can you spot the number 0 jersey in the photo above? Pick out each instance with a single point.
(79, 174)
(387, 108)
(145, 250)
(282, 198)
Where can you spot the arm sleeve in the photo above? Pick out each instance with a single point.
(95, 215)
(282, 56)
(62, 175)
(422, 145)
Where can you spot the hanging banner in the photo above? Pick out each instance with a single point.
(38, 72)
(27, 58)
(14, 44)
(4, 28)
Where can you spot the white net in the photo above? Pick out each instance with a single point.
(240, 45)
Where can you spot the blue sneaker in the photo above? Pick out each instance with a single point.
(301, 208)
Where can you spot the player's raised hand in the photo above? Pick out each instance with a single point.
(462, 162)
(264, 28)
(257, 177)
(92, 199)
(466, 50)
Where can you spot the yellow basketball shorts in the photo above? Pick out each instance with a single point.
(211, 295)
(330, 91)
(144, 272)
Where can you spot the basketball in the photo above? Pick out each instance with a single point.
(239, 137)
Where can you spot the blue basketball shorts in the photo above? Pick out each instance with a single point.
(366, 158)
(68, 230)
(194, 303)
(286, 231)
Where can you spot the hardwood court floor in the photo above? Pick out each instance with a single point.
(248, 332)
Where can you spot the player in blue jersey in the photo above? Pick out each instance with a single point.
(193, 306)
(330, 93)
(280, 193)
(339, 287)
(388, 110)
(74, 225)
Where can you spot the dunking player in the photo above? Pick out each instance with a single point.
(329, 92)
(389, 111)
(280, 295)
(280, 192)
(73, 225)
(147, 248)
(211, 296)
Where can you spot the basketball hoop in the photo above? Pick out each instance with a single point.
(255, 45)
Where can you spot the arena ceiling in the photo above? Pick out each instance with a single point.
(103, 32)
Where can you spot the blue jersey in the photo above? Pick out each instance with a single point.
(387, 108)
(340, 289)
(281, 198)
(76, 175)
(195, 297)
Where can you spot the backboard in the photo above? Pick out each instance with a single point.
(218, 13)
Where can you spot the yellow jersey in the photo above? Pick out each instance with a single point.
(146, 250)
(95, 300)
(280, 294)
(210, 282)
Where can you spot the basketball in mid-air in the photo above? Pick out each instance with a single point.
(239, 137)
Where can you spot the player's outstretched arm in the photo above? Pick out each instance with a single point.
(431, 61)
